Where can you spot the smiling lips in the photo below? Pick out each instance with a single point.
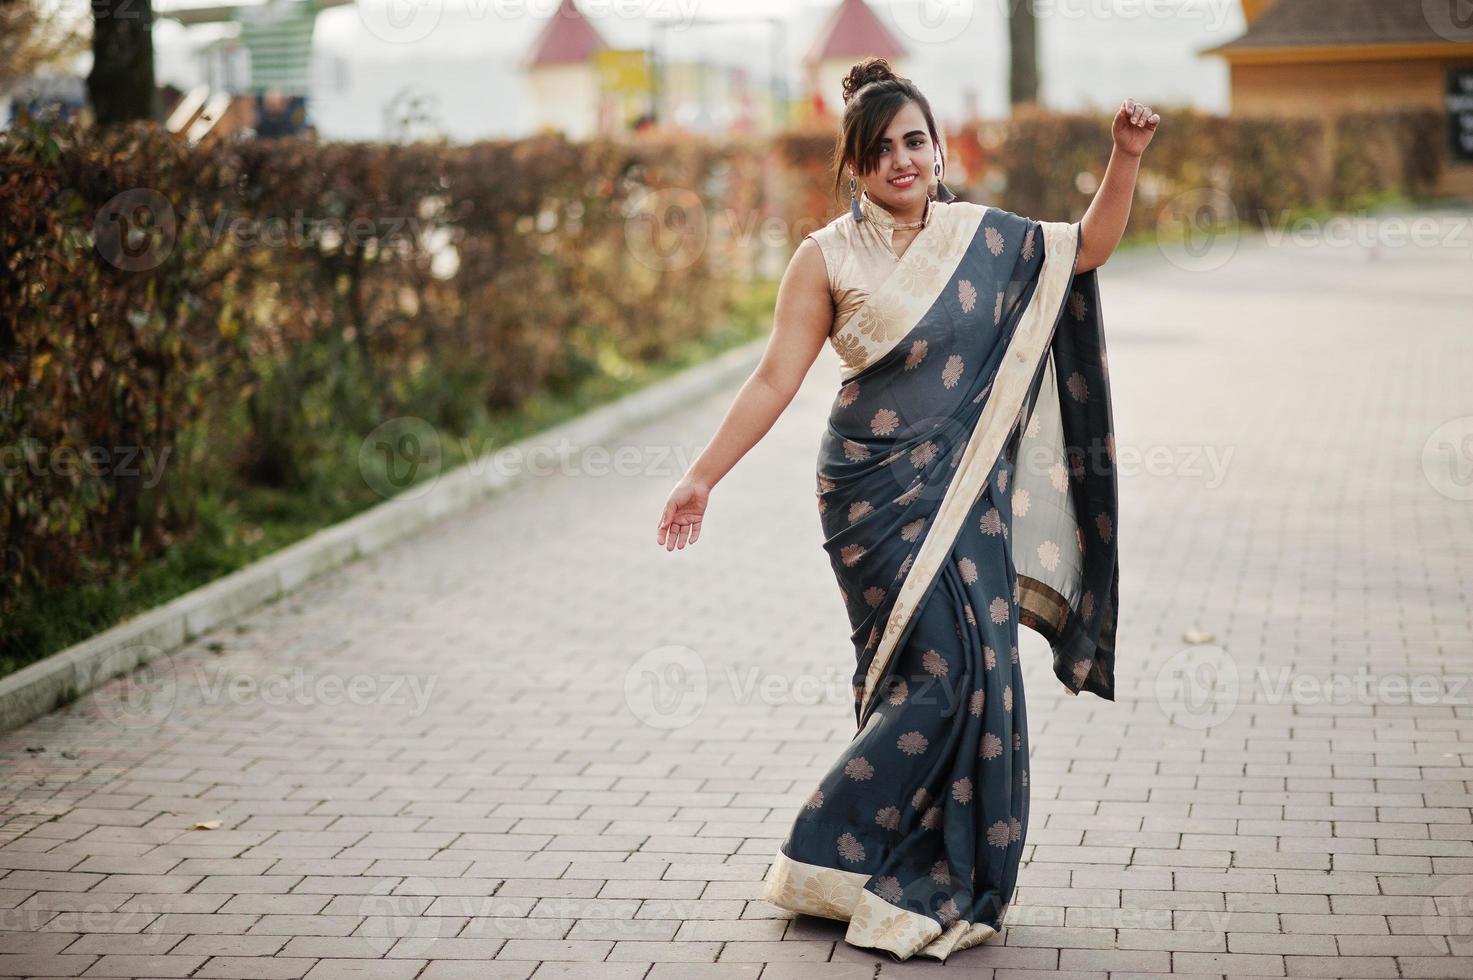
(903, 181)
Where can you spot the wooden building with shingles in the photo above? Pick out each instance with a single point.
(1312, 57)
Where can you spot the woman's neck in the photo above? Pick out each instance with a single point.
(886, 216)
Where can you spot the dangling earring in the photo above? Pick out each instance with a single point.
(942, 192)
(854, 199)
(934, 189)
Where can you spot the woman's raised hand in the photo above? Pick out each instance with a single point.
(681, 521)
(1134, 126)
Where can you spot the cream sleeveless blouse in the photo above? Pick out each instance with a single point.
(859, 255)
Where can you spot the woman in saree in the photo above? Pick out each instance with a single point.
(966, 486)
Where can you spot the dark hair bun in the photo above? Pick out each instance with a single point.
(866, 71)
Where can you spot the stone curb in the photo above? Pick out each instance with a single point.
(41, 687)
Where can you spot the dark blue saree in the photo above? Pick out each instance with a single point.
(966, 485)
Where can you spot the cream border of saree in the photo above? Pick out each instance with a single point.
(1020, 362)
(892, 311)
(873, 922)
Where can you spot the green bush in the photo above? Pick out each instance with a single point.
(174, 319)
(180, 324)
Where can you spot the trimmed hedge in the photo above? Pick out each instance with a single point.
(173, 317)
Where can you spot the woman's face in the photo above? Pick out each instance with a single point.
(906, 148)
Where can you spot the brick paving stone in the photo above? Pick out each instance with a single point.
(254, 968)
(468, 970)
(624, 930)
(670, 951)
(1359, 967)
(128, 965)
(144, 944)
(46, 964)
(425, 764)
(240, 946)
(337, 947)
(581, 950)
(591, 971)
(446, 949)
(365, 970)
(731, 971)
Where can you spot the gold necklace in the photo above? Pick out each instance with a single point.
(885, 219)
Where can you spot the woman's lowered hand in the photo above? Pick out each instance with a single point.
(681, 521)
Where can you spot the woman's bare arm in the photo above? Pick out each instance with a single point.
(1104, 223)
(800, 324)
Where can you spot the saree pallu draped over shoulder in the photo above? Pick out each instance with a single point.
(966, 486)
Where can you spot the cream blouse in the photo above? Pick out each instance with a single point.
(859, 255)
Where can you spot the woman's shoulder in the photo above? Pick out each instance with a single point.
(833, 237)
(967, 208)
(837, 229)
(994, 214)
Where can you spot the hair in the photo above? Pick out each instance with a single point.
(873, 94)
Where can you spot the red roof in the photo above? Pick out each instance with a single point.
(567, 37)
(854, 31)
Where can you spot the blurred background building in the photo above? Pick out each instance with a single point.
(1307, 57)
(463, 70)
(472, 69)
(853, 32)
(563, 76)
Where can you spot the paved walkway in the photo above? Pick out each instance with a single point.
(531, 743)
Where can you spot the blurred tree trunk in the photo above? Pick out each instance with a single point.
(120, 85)
(1023, 52)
